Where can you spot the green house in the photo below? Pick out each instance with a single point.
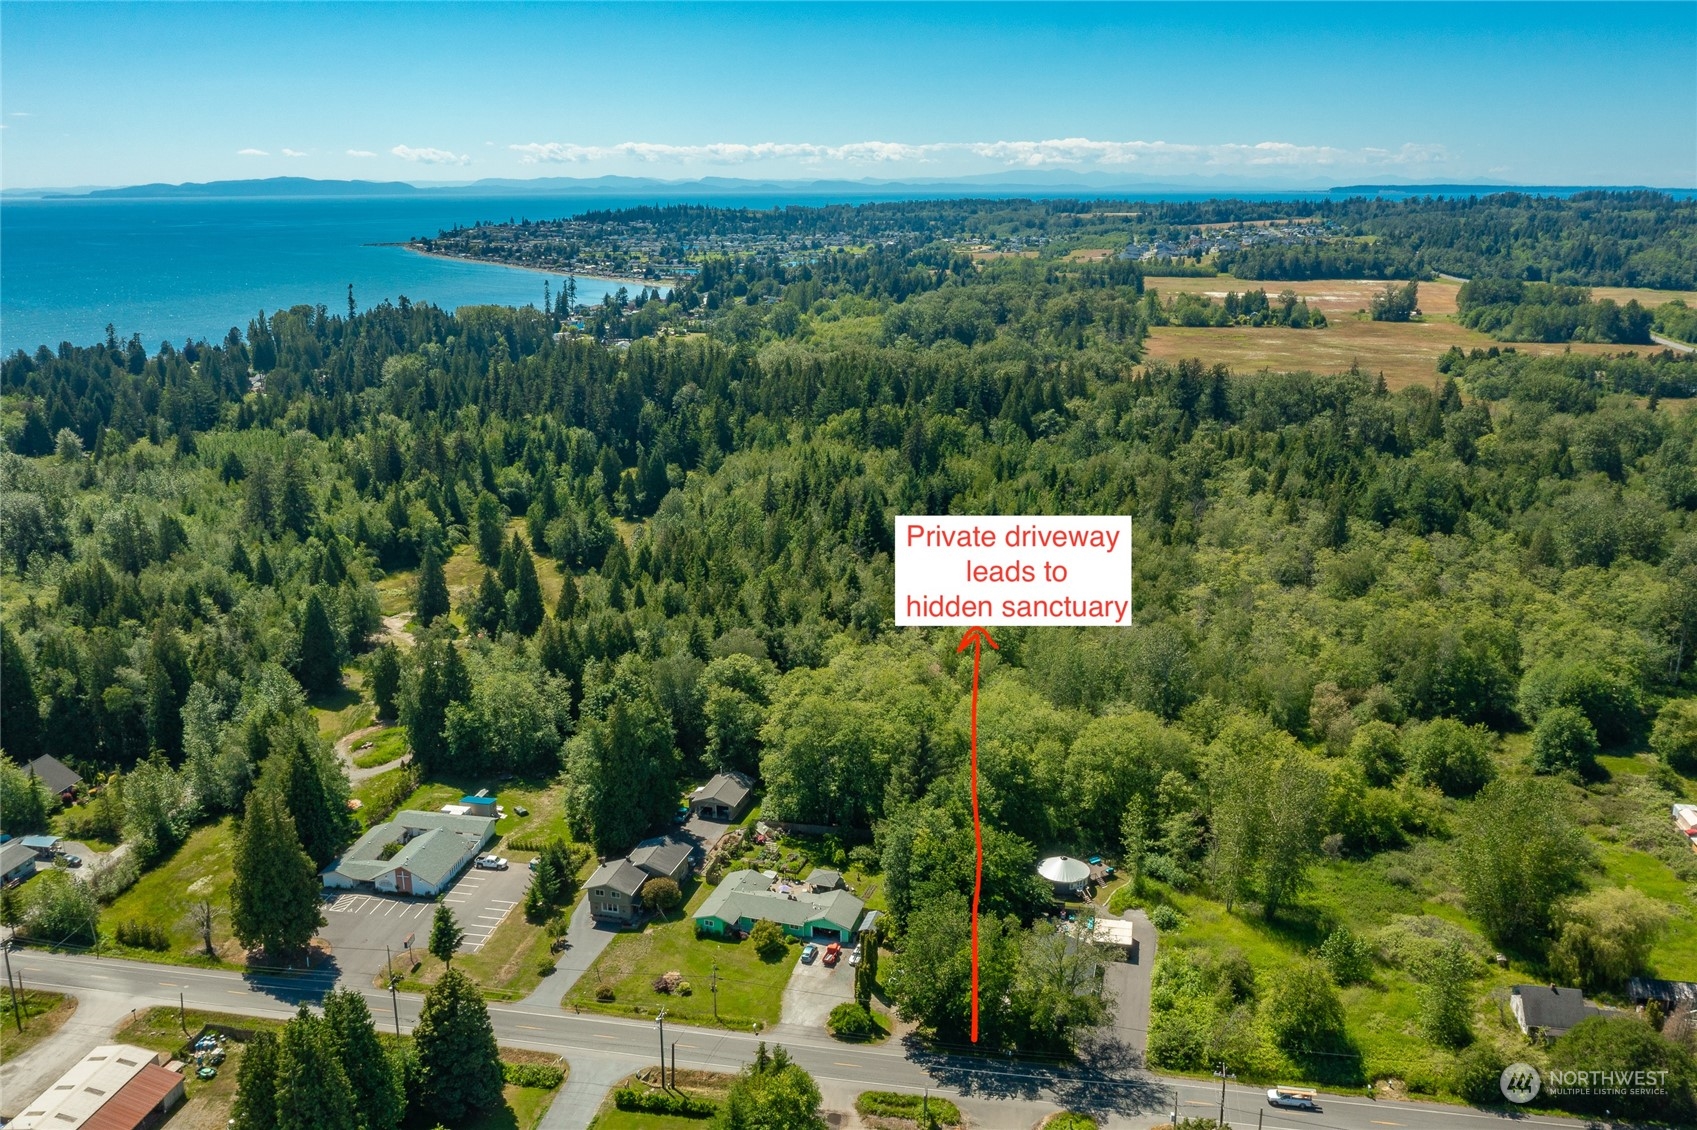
(743, 898)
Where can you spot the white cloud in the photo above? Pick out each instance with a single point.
(252, 153)
(21, 114)
(293, 153)
(430, 156)
(361, 153)
(1075, 152)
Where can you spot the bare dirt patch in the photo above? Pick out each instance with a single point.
(1333, 296)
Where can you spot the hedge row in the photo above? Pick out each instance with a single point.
(540, 1075)
(664, 1102)
(891, 1104)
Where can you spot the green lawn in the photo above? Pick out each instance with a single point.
(199, 869)
(1675, 954)
(702, 1084)
(386, 746)
(750, 990)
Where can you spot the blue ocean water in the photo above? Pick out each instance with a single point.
(173, 269)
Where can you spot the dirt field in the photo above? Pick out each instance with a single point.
(1650, 298)
(1407, 353)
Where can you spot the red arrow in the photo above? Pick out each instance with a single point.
(977, 637)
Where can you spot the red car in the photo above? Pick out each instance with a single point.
(833, 953)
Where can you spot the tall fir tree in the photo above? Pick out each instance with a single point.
(487, 520)
(20, 708)
(431, 599)
(459, 1062)
(274, 890)
(566, 606)
(255, 1106)
(319, 822)
(313, 1092)
(527, 609)
(445, 935)
(168, 681)
(319, 668)
(487, 610)
(386, 681)
(379, 1091)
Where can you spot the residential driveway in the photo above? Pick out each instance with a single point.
(482, 899)
(360, 924)
(705, 833)
(586, 941)
(814, 990)
(1128, 983)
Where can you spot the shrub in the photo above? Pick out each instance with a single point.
(1347, 956)
(1674, 737)
(1454, 757)
(1166, 918)
(1304, 1014)
(546, 967)
(662, 894)
(603, 993)
(893, 1104)
(1625, 1043)
(848, 1021)
(1606, 937)
(769, 940)
(662, 1102)
(1476, 1074)
(1071, 1120)
(542, 1076)
(62, 912)
(115, 878)
(143, 935)
(1564, 739)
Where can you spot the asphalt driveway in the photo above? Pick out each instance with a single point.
(1128, 982)
(814, 990)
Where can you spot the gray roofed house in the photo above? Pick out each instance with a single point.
(1547, 1008)
(413, 853)
(743, 898)
(614, 891)
(824, 879)
(58, 778)
(664, 855)
(724, 798)
(17, 861)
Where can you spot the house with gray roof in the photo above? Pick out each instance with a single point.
(17, 861)
(55, 776)
(1547, 1009)
(743, 898)
(725, 798)
(412, 853)
(615, 890)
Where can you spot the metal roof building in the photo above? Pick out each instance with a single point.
(115, 1087)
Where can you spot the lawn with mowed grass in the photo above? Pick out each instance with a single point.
(199, 869)
(710, 1085)
(386, 745)
(750, 989)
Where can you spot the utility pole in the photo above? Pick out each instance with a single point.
(1224, 1075)
(661, 1019)
(713, 984)
(182, 1015)
(674, 1063)
(1259, 1116)
(394, 998)
(17, 1016)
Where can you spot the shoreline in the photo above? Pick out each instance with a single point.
(622, 280)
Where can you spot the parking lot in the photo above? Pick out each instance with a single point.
(481, 899)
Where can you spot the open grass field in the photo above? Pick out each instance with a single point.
(41, 1013)
(1406, 353)
(1333, 296)
(1644, 295)
(750, 990)
(199, 869)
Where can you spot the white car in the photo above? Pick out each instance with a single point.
(491, 863)
(1292, 1098)
(854, 956)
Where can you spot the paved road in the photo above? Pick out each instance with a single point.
(601, 1049)
(1676, 346)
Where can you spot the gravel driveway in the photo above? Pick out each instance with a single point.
(814, 990)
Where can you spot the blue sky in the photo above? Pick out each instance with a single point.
(1272, 93)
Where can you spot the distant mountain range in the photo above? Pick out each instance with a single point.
(1015, 182)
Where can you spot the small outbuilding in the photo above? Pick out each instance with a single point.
(1067, 875)
(724, 798)
(113, 1087)
(824, 879)
(42, 846)
(1669, 994)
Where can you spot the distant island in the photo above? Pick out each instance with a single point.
(1034, 183)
